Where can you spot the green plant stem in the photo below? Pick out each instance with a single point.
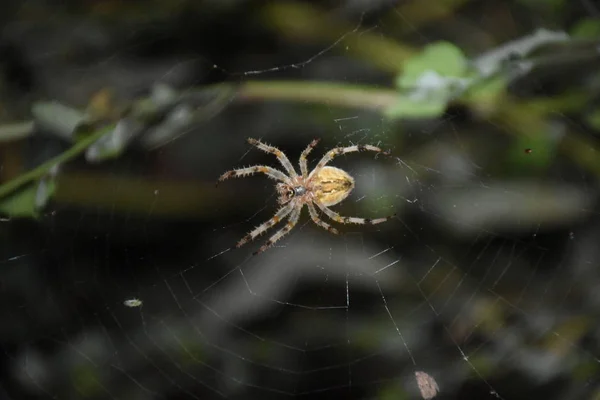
(333, 94)
(20, 130)
(43, 169)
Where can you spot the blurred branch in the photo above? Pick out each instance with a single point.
(141, 195)
(414, 14)
(16, 131)
(333, 94)
(305, 22)
(493, 60)
(44, 168)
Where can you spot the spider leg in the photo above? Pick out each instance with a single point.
(292, 221)
(282, 213)
(305, 153)
(278, 153)
(351, 220)
(338, 151)
(319, 221)
(270, 172)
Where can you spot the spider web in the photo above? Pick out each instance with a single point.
(482, 287)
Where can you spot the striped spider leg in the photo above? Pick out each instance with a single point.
(242, 172)
(303, 157)
(351, 220)
(295, 209)
(338, 151)
(277, 153)
(271, 172)
(259, 230)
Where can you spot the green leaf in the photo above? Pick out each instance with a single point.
(593, 119)
(487, 89)
(27, 201)
(588, 28)
(429, 80)
(393, 391)
(532, 154)
(407, 108)
(114, 142)
(443, 58)
(86, 380)
(486, 94)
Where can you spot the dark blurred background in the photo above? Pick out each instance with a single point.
(487, 280)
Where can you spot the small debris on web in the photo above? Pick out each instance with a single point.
(133, 302)
(427, 385)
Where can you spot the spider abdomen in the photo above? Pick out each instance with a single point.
(332, 185)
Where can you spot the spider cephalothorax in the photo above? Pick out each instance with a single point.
(324, 186)
(288, 192)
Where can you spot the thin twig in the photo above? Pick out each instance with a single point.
(43, 169)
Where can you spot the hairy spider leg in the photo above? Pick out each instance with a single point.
(338, 151)
(292, 221)
(270, 172)
(315, 217)
(304, 155)
(351, 220)
(278, 153)
(282, 213)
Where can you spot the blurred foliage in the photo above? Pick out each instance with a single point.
(514, 100)
(29, 200)
(428, 81)
(432, 78)
(588, 28)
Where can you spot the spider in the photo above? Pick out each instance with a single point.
(324, 186)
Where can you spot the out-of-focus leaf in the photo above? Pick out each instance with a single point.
(429, 80)
(485, 94)
(86, 380)
(174, 125)
(393, 391)
(44, 191)
(407, 108)
(443, 58)
(490, 88)
(494, 60)
(17, 131)
(588, 28)
(114, 142)
(553, 6)
(593, 118)
(532, 153)
(20, 203)
(57, 118)
(28, 201)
